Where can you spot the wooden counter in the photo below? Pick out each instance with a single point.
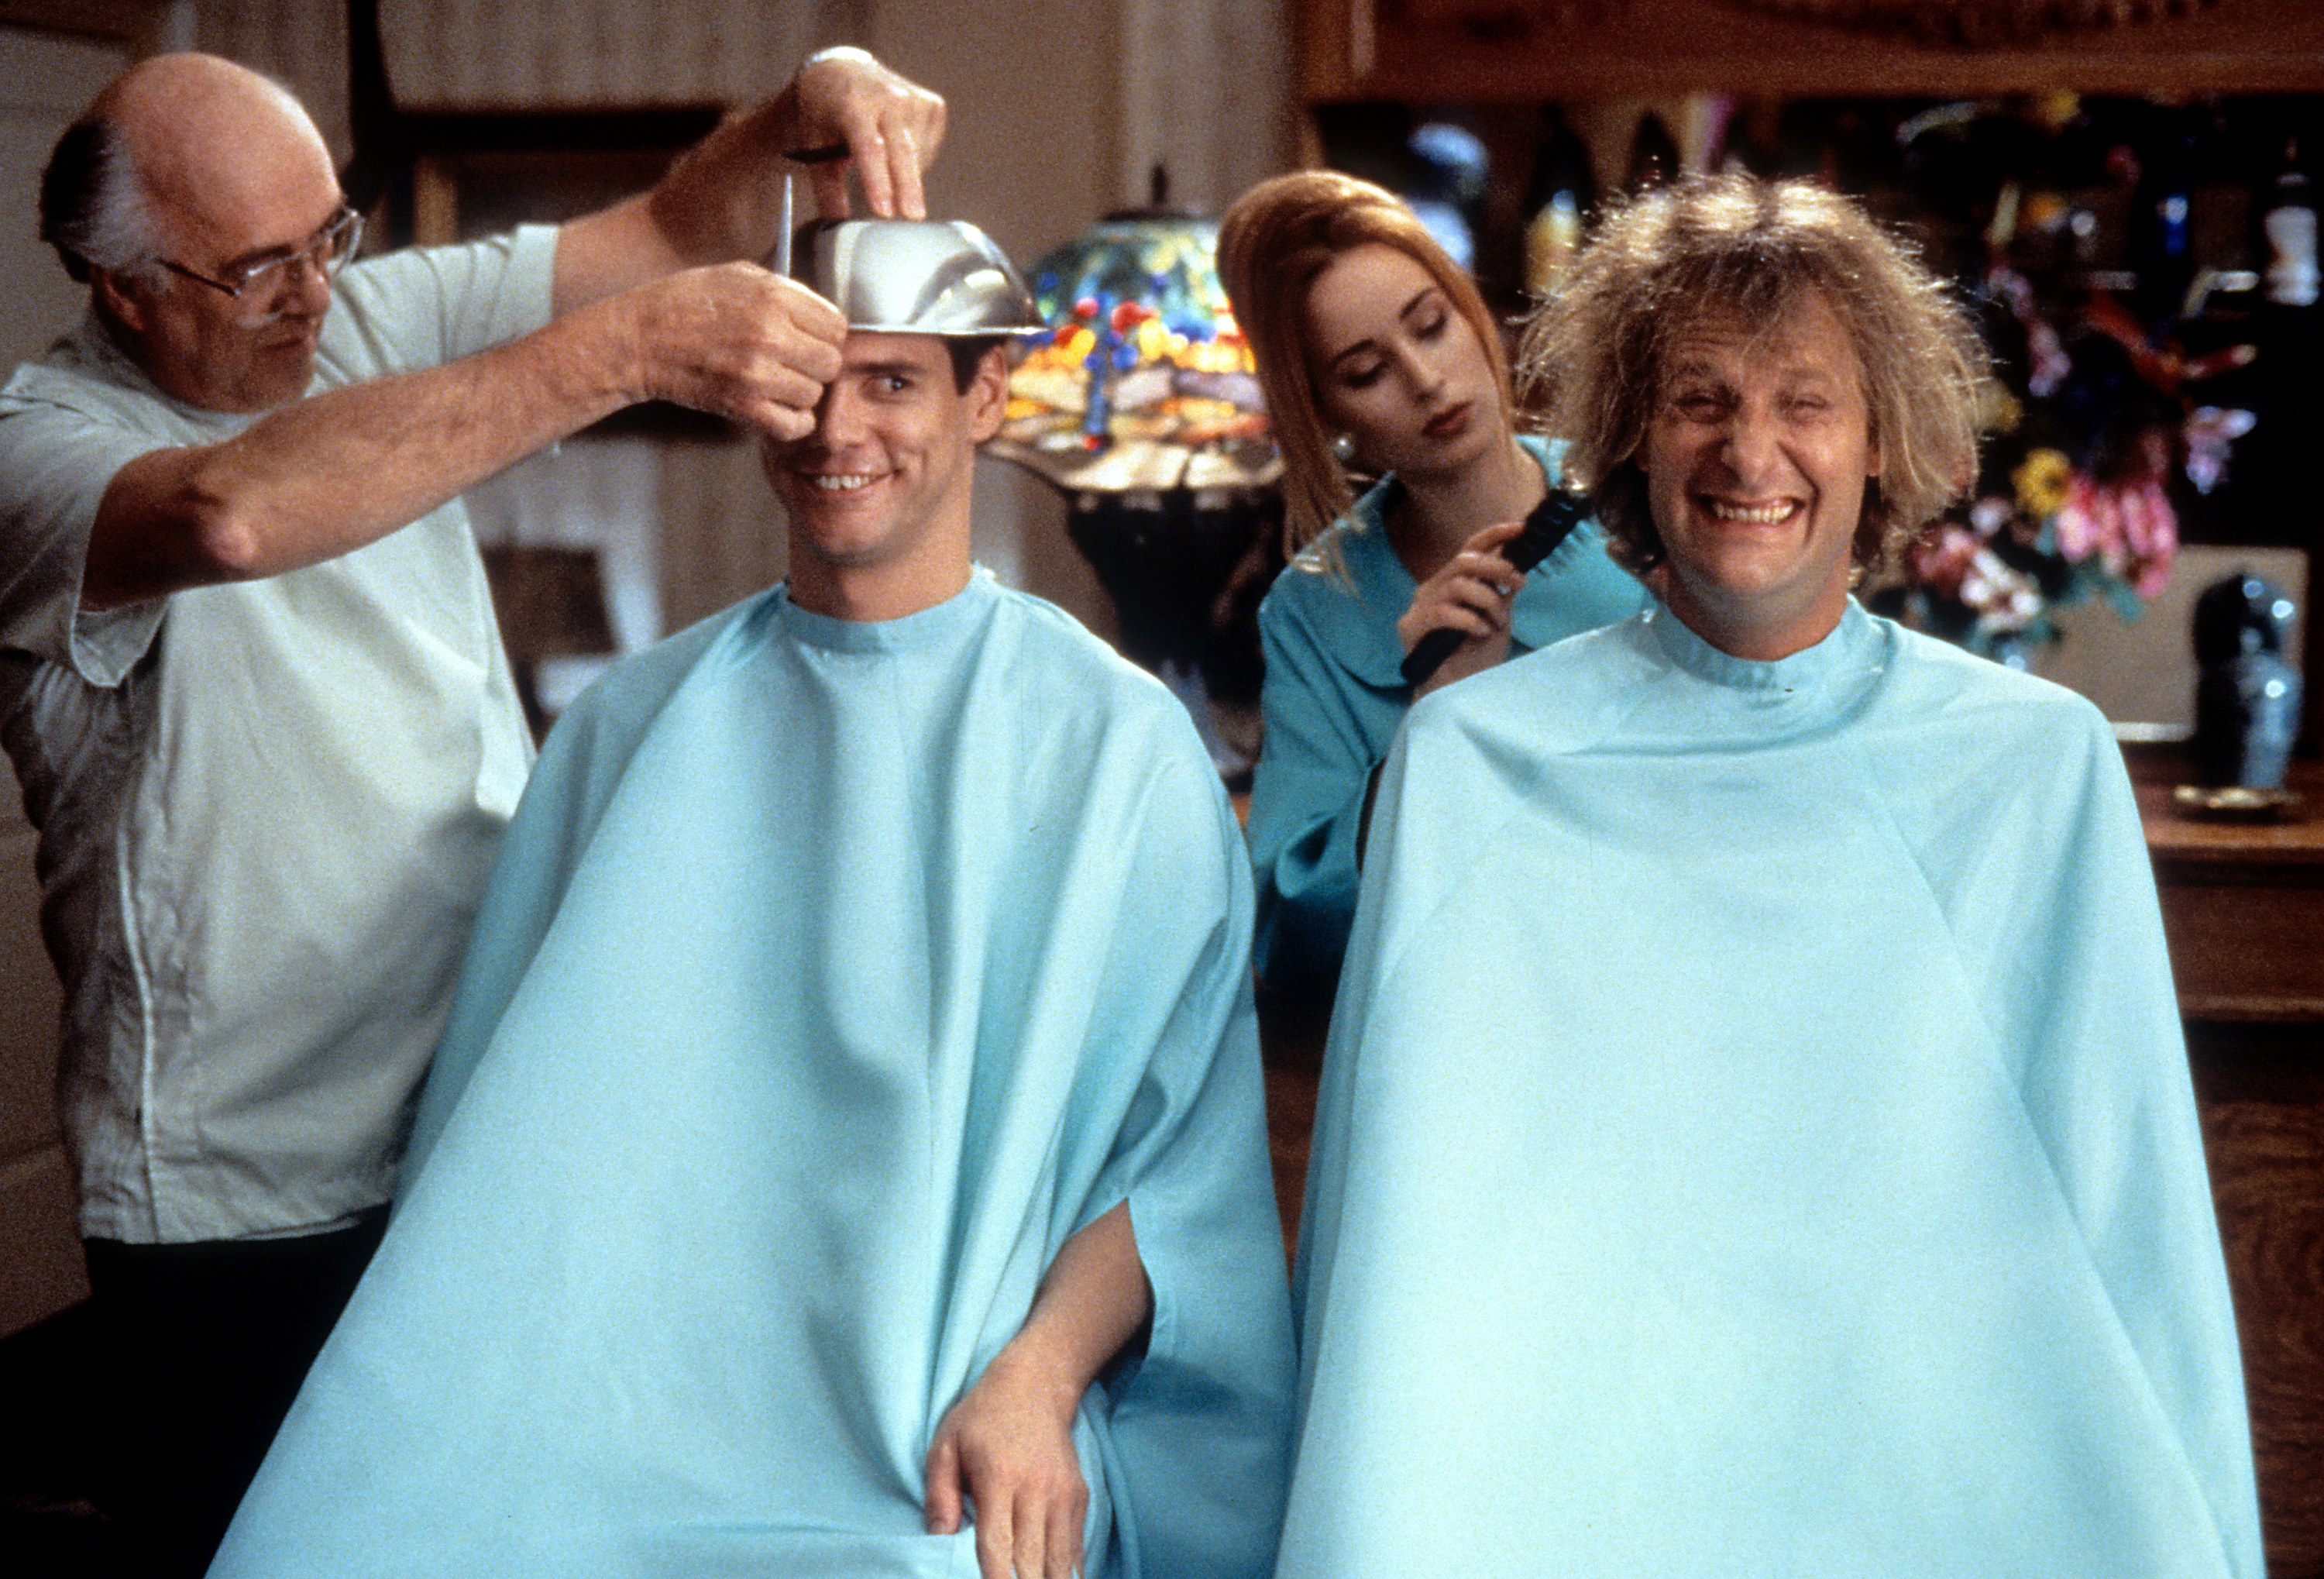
(2260, 1090)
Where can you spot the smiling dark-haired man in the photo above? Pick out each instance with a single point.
(846, 1154)
(884, 479)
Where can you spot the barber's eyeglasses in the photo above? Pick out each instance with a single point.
(260, 282)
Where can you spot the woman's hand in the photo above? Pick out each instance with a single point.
(1472, 593)
(1008, 1445)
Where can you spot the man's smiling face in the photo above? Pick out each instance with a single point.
(1756, 459)
(890, 461)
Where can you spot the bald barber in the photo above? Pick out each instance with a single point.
(250, 677)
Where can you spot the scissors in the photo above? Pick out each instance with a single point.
(781, 261)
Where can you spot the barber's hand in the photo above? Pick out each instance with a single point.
(891, 126)
(736, 341)
(1471, 594)
(1008, 1446)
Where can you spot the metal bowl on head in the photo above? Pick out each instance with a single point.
(915, 277)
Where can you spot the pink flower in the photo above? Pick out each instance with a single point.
(2151, 534)
(2132, 529)
(2086, 522)
(2210, 432)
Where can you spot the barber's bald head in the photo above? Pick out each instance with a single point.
(184, 170)
(212, 144)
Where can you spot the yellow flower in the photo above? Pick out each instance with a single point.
(2041, 482)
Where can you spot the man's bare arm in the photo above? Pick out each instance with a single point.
(328, 475)
(1008, 1445)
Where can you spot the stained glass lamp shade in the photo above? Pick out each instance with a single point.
(1143, 382)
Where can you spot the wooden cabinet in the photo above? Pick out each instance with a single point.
(40, 1247)
(2260, 1087)
(2242, 904)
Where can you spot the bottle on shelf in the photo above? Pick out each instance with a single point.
(2272, 468)
(1558, 200)
(2287, 227)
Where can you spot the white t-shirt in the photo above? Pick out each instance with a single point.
(266, 809)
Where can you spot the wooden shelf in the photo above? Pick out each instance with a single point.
(1353, 50)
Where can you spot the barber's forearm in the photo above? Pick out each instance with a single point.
(722, 198)
(328, 475)
(720, 202)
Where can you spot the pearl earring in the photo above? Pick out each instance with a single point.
(1343, 449)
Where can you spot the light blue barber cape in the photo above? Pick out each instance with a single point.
(1334, 695)
(1757, 1139)
(832, 975)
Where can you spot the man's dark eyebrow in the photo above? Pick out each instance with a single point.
(1403, 312)
(887, 370)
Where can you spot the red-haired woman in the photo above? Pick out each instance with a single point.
(1377, 354)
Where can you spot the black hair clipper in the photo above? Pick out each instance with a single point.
(1548, 524)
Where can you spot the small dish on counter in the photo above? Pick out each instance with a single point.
(2235, 803)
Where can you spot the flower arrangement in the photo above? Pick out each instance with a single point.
(2073, 501)
(1992, 575)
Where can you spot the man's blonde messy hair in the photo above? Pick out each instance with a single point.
(1737, 250)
